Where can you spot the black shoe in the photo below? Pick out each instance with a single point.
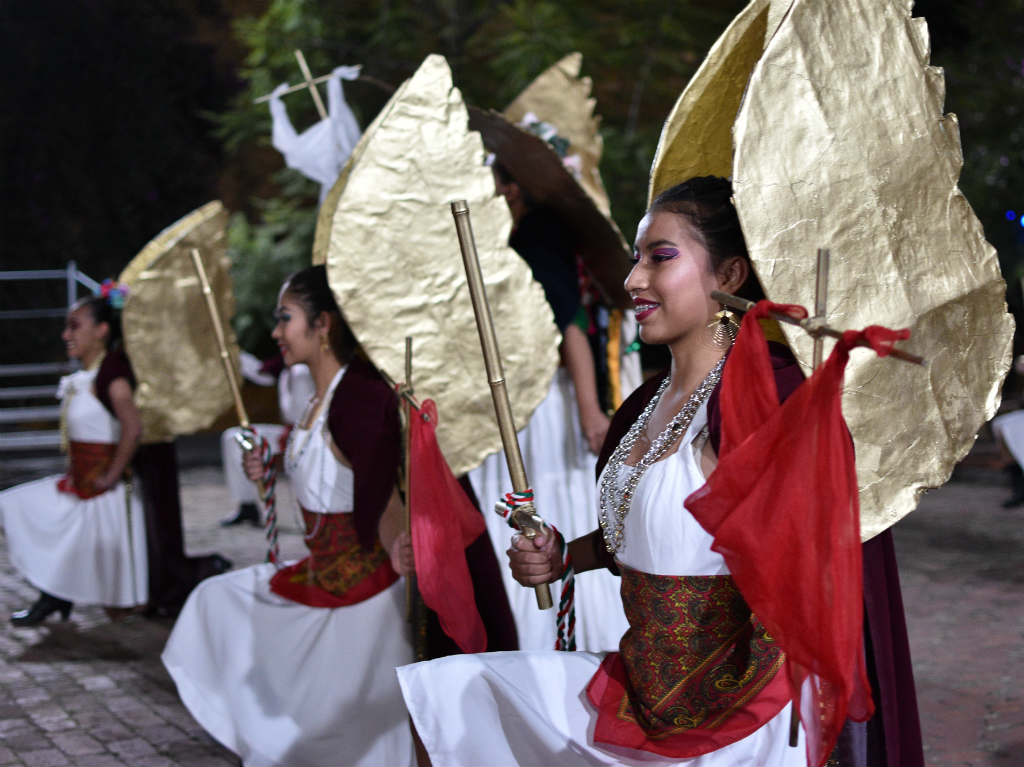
(42, 608)
(1016, 485)
(247, 512)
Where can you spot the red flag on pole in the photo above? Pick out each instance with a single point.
(782, 506)
(444, 521)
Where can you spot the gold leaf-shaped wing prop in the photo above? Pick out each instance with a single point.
(167, 331)
(696, 139)
(561, 97)
(394, 263)
(841, 142)
(558, 96)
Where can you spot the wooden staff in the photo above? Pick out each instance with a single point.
(410, 580)
(525, 517)
(222, 344)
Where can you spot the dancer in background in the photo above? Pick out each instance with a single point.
(561, 440)
(82, 537)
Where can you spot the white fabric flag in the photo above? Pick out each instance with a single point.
(319, 152)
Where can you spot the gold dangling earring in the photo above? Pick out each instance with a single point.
(324, 346)
(723, 329)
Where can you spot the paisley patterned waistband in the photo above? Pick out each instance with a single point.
(694, 672)
(89, 461)
(338, 570)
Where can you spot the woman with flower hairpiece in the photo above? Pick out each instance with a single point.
(81, 537)
(697, 679)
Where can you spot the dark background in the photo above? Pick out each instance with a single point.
(120, 117)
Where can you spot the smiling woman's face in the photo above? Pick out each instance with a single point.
(671, 279)
(83, 337)
(295, 338)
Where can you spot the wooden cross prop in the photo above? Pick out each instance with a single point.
(814, 325)
(309, 82)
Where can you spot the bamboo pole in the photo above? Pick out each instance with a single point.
(222, 344)
(530, 524)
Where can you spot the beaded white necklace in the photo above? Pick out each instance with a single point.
(616, 497)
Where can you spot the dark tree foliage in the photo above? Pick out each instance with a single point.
(120, 116)
(104, 137)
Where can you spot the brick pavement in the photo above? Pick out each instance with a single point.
(92, 692)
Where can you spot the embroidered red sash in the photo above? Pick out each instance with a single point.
(89, 461)
(695, 670)
(338, 570)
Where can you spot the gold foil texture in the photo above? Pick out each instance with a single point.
(394, 263)
(841, 142)
(696, 139)
(167, 331)
(560, 97)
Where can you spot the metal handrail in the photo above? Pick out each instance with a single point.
(69, 274)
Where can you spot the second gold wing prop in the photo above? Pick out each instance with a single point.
(393, 262)
(175, 357)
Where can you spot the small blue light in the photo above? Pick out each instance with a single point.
(1022, 221)
(1011, 215)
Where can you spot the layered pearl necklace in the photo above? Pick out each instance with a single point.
(616, 497)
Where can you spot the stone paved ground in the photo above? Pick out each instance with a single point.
(92, 692)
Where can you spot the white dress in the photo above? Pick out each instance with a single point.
(561, 471)
(91, 551)
(1010, 429)
(279, 682)
(531, 708)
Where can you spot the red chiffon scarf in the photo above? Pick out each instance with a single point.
(444, 522)
(782, 506)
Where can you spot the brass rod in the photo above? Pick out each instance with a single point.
(308, 77)
(809, 324)
(820, 303)
(492, 362)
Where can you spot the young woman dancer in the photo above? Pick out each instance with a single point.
(296, 666)
(698, 676)
(82, 537)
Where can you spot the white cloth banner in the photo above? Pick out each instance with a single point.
(319, 152)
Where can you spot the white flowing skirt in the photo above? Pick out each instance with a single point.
(282, 683)
(85, 551)
(1010, 429)
(560, 469)
(530, 708)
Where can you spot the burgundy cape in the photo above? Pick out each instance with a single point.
(893, 735)
(172, 575)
